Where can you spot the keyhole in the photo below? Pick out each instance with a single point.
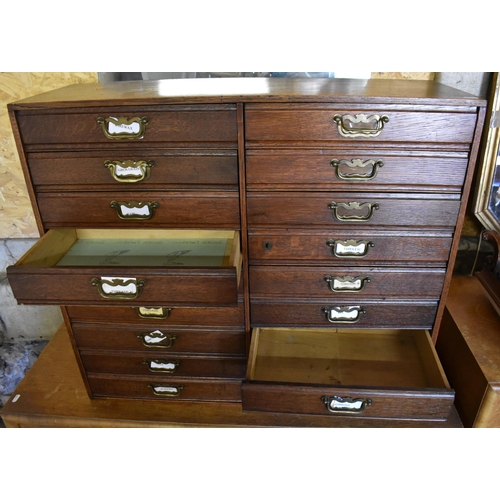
(267, 245)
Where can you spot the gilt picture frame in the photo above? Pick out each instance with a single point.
(487, 203)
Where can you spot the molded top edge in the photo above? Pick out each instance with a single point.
(248, 90)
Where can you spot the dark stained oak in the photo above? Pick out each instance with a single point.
(177, 287)
(210, 125)
(317, 125)
(401, 170)
(252, 156)
(335, 282)
(375, 210)
(431, 404)
(198, 316)
(309, 313)
(255, 90)
(175, 169)
(128, 337)
(189, 389)
(389, 247)
(182, 365)
(175, 209)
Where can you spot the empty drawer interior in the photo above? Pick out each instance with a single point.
(377, 358)
(132, 248)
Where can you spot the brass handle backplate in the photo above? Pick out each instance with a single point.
(129, 170)
(157, 339)
(153, 312)
(366, 209)
(356, 164)
(118, 288)
(360, 125)
(347, 284)
(350, 248)
(135, 210)
(169, 391)
(343, 314)
(338, 404)
(123, 127)
(161, 365)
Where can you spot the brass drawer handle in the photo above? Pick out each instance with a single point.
(129, 170)
(161, 365)
(123, 127)
(350, 248)
(343, 314)
(153, 312)
(169, 391)
(119, 288)
(347, 283)
(338, 404)
(360, 125)
(157, 339)
(359, 165)
(135, 210)
(353, 206)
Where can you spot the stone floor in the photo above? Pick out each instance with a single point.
(16, 358)
(24, 330)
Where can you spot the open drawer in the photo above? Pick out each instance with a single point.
(142, 267)
(392, 374)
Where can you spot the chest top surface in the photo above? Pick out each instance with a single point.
(249, 90)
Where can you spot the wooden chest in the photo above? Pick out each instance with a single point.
(298, 225)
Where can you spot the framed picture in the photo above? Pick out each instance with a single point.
(487, 203)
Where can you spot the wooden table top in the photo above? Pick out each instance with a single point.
(53, 394)
(478, 321)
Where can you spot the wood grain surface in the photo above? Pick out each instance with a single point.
(468, 347)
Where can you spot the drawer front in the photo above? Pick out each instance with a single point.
(159, 339)
(161, 365)
(431, 404)
(303, 124)
(169, 389)
(99, 267)
(354, 247)
(105, 286)
(357, 312)
(355, 169)
(332, 282)
(161, 316)
(133, 170)
(339, 209)
(154, 209)
(114, 125)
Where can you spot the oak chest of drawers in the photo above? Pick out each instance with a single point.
(282, 244)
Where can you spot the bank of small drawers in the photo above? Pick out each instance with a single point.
(176, 354)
